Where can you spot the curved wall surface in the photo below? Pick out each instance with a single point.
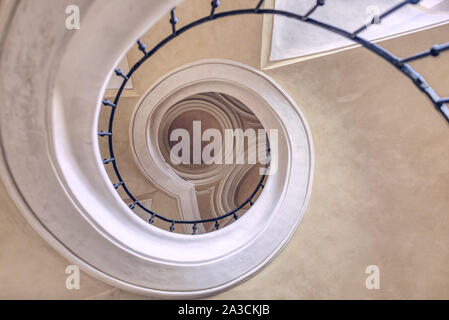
(381, 174)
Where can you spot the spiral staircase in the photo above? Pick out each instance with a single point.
(99, 185)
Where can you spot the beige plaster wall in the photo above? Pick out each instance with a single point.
(380, 193)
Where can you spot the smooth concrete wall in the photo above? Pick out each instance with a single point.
(380, 193)
(136, 181)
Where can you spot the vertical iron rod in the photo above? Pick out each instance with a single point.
(385, 14)
(312, 10)
(259, 5)
(173, 20)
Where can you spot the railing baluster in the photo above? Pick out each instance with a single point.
(120, 73)
(173, 20)
(444, 100)
(116, 185)
(214, 4)
(106, 161)
(194, 228)
(104, 133)
(378, 19)
(172, 227)
(217, 225)
(259, 5)
(434, 52)
(133, 205)
(152, 218)
(108, 103)
(319, 3)
(142, 47)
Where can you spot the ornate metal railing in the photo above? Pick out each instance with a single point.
(439, 103)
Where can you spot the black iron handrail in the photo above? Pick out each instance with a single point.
(400, 64)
